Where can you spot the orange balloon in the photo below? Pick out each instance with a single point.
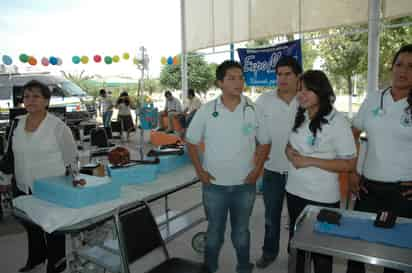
(32, 60)
(176, 60)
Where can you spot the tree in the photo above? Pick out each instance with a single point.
(200, 74)
(343, 55)
(152, 86)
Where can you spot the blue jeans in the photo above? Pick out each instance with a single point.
(273, 195)
(107, 117)
(219, 201)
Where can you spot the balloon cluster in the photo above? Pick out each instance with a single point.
(98, 59)
(170, 60)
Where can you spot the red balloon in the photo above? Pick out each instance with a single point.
(97, 58)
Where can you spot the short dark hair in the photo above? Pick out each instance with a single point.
(102, 92)
(124, 94)
(291, 62)
(191, 92)
(168, 93)
(225, 66)
(44, 89)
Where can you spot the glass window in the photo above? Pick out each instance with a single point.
(72, 89)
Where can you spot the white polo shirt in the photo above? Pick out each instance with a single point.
(279, 118)
(335, 141)
(389, 148)
(230, 139)
(173, 105)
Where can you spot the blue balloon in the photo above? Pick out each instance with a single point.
(7, 60)
(53, 60)
(170, 60)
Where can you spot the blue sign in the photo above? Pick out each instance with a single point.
(259, 63)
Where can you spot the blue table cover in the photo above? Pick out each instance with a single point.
(363, 229)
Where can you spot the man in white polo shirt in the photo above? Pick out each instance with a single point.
(279, 108)
(229, 126)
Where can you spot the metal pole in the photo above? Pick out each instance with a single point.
(184, 50)
(373, 45)
(232, 51)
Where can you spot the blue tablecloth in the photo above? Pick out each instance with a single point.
(363, 229)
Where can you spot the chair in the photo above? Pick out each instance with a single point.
(138, 235)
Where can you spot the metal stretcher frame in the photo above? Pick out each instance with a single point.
(358, 250)
(163, 225)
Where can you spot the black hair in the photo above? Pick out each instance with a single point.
(124, 98)
(225, 66)
(102, 92)
(44, 89)
(168, 93)
(291, 62)
(317, 82)
(191, 92)
(405, 49)
(124, 94)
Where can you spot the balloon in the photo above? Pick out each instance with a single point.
(32, 60)
(170, 60)
(163, 60)
(116, 59)
(24, 58)
(76, 59)
(126, 56)
(44, 61)
(108, 60)
(59, 61)
(84, 59)
(53, 60)
(176, 60)
(7, 60)
(97, 58)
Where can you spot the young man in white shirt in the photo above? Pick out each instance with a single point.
(229, 127)
(279, 108)
(173, 108)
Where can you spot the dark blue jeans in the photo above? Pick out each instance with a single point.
(107, 117)
(273, 195)
(237, 201)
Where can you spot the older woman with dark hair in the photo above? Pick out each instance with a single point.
(40, 145)
(320, 146)
(385, 179)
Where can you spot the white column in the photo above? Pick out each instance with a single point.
(183, 61)
(373, 45)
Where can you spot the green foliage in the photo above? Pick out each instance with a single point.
(200, 74)
(309, 54)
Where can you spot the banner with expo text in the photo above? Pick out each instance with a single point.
(259, 63)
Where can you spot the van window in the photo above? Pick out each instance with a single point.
(4, 93)
(57, 91)
(72, 89)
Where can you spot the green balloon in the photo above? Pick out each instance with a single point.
(76, 59)
(24, 58)
(108, 60)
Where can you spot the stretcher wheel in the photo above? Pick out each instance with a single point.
(199, 242)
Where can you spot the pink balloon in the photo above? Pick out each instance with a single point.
(45, 61)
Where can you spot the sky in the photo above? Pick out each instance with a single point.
(65, 28)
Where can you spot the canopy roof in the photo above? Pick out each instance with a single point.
(210, 23)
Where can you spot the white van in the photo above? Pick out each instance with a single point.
(64, 93)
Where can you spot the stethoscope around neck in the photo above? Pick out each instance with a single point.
(247, 105)
(380, 110)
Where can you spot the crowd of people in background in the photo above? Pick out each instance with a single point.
(293, 134)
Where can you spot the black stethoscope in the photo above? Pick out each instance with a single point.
(380, 110)
(247, 105)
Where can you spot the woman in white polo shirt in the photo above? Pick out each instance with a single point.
(386, 117)
(320, 146)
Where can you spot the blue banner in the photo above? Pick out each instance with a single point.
(259, 63)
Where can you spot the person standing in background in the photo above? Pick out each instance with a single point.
(279, 110)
